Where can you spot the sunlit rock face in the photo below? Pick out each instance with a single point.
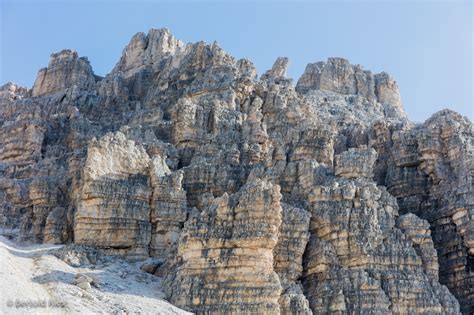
(257, 196)
(357, 242)
(113, 210)
(338, 75)
(430, 173)
(65, 70)
(233, 238)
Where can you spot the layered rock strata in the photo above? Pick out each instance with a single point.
(359, 261)
(256, 196)
(225, 254)
(338, 75)
(65, 69)
(430, 172)
(113, 211)
(287, 259)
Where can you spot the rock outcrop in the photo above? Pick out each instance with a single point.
(288, 257)
(113, 210)
(358, 261)
(356, 163)
(338, 75)
(65, 70)
(249, 194)
(430, 172)
(225, 254)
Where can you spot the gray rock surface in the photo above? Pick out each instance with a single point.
(254, 195)
(65, 70)
(338, 75)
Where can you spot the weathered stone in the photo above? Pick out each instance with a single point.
(113, 211)
(355, 163)
(430, 175)
(287, 259)
(339, 76)
(168, 209)
(65, 70)
(279, 68)
(86, 286)
(232, 239)
(178, 152)
(151, 265)
(357, 260)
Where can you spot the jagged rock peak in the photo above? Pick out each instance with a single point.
(338, 75)
(278, 70)
(65, 69)
(447, 116)
(145, 49)
(12, 90)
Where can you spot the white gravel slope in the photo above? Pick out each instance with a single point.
(32, 281)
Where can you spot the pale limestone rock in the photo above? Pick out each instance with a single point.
(115, 156)
(65, 70)
(191, 147)
(356, 163)
(86, 286)
(388, 95)
(278, 70)
(232, 239)
(358, 261)
(429, 172)
(418, 231)
(168, 210)
(113, 210)
(338, 75)
(147, 49)
(287, 259)
(12, 91)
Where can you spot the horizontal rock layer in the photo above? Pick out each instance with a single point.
(257, 196)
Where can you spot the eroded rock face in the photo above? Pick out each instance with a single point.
(113, 210)
(356, 163)
(358, 261)
(356, 242)
(129, 203)
(431, 176)
(225, 254)
(287, 259)
(65, 70)
(168, 208)
(254, 196)
(338, 75)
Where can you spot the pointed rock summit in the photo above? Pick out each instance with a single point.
(65, 69)
(148, 49)
(278, 70)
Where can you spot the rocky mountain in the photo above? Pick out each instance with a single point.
(257, 195)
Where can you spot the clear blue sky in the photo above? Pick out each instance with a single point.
(426, 46)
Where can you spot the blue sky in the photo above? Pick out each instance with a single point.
(427, 46)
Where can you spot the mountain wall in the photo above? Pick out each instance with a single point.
(260, 196)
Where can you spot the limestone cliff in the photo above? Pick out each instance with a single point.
(257, 196)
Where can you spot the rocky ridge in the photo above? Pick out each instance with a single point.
(257, 196)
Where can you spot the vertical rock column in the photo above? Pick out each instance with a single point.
(224, 260)
(168, 207)
(431, 175)
(113, 211)
(357, 260)
(288, 257)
